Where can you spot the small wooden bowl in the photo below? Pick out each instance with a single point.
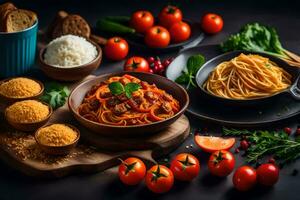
(31, 126)
(58, 150)
(70, 74)
(14, 99)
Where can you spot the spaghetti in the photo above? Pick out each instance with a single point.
(246, 77)
(147, 105)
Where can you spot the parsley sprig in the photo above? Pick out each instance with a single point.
(264, 143)
(55, 94)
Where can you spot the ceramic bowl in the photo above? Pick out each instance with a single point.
(72, 73)
(58, 150)
(178, 92)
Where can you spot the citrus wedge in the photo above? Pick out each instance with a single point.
(211, 144)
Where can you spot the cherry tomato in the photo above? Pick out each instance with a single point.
(159, 179)
(212, 23)
(185, 167)
(157, 37)
(267, 174)
(180, 32)
(141, 21)
(132, 171)
(287, 130)
(211, 144)
(136, 64)
(169, 15)
(116, 48)
(244, 178)
(244, 145)
(221, 163)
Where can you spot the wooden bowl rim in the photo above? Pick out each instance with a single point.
(22, 98)
(57, 147)
(180, 112)
(98, 57)
(30, 123)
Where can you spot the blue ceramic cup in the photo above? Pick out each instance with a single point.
(17, 51)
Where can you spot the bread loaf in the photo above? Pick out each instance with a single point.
(18, 20)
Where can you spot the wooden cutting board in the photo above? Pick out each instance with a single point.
(20, 151)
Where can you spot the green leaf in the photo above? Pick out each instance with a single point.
(194, 63)
(130, 88)
(116, 88)
(55, 94)
(183, 78)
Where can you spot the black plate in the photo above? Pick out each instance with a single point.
(278, 108)
(197, 36)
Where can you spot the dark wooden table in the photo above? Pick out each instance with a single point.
(284, 15)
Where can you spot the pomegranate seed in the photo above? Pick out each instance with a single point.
(155, 69)
(298, 131)
(151, 71)
(237, 150)
(287, 130)
(157, 62)
(272, 160)
(151, 59)
(244, 145)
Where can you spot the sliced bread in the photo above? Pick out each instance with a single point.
(4, 10)
(76, 25)
(18, 20)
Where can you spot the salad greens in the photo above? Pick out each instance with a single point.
(259, 38)
(55, 94)
(116, 88)
(187, 77)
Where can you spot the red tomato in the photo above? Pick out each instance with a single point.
(132, 171)
(244, 178)
(221, 163)
(157, 37)
(211, 144)
(180, 32)
(141, 21)
(185, 167)
(267, 174)
(169, 15)
(116, 48)
(212, 23)
(136, 64)
(159, 179)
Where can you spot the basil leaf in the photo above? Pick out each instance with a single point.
(194, 63)
(183, 78)
(116, 88)
(130, 88)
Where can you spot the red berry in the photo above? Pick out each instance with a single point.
(166, 63)
(151, 71)
(155, 69)
(237, 150)
(272, 160)
(151, 59)
(244, 145)
(298, 131)
(287, 130)
(157, 62)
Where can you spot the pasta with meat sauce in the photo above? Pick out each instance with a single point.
(146, 105)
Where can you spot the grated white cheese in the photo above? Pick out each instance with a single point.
(69, 51)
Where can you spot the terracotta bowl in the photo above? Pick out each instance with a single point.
(70, 74)
(169, 86)
(32, 126)
(9, 100)
(58, 150)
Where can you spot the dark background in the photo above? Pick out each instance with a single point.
(284, 15)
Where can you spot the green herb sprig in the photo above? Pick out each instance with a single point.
(117, 88)
(264, 143)
(194, 63)
(55, 94)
